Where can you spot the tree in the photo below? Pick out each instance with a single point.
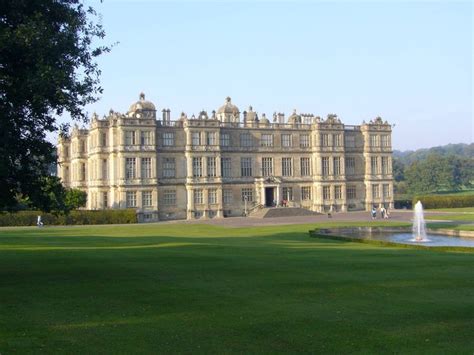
(49, 196)
(47, 68)
(438, 173)
(75, 198)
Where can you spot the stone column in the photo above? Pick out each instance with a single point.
(190, 203)
(220, 202)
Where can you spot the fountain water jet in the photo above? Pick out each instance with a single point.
(419, 226)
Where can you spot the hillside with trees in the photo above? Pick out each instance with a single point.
(435, 170)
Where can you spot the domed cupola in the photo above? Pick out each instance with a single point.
(228, 112)
(142, 108)
(294, 118)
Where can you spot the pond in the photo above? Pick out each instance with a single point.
(432, 240)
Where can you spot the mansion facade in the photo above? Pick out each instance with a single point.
(226, 164)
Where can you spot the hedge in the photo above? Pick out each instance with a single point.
(445, 201)
(29, 218)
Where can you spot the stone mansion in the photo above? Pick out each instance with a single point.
(228, 163)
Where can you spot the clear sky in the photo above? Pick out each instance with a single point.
(409, 62)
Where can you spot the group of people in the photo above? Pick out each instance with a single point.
(384, 214)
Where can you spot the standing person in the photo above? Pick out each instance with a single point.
(382, 212)
(387, 215)
(374, 213)
(39, 222)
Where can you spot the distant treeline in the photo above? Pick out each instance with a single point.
(438, 169)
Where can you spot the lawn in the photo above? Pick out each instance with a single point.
(206, 289)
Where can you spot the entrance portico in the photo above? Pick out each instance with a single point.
(269, 191)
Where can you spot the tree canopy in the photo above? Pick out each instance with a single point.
(47, 68)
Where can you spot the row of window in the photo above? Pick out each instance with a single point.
(375, 167)
(131, 199)
(246, 140)
(246, 167)
(247, 194)
(376, 140)
(131, 168)
(385, 191)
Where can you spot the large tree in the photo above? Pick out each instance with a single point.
(47, 68)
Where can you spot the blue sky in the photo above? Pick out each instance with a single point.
(409, 62)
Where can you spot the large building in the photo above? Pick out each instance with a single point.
(227, 164)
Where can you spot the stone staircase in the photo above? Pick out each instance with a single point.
(275, 212)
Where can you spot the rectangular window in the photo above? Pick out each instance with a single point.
(304, 140)
(267, 167)
(225, 139)
(305, 193)
(146, 168)
(211, 166)
(326, 192)
(286, 167)
(245, 140)
(385, 140)
(83, 146)
(287, 193)
(338, 192)
(104, 169)
(130, 138)
(324, 139)
(351, 192)
(246, 166)
(286, 140)
(375, 191)
(212, 196)
(131, 199)
(197, 167)
(147, 199)
(350, 140)
(386, 190)
(145, 137)
(336, 140)
(267, 140)
(350, 166)
(168, 139)
(247, 194)
(337, 165)
(169, 168)
(374, 165)
(374, 142)
(227, 196)
(196, 138)
(105, 199)
(103, 139)
(169, 197)
(305, 166)
(198, 197)
(83, 171)
(325, 166)
(226, 167)
(385, 165)
(130, 168)
(211, 138)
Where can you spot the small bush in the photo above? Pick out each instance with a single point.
(29, 218)
(445, 201)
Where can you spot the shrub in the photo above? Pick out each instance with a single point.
(445, 201)
(29, 218)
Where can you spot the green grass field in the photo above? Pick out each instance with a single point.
(206, 289)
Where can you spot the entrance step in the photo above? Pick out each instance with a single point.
(275, 212)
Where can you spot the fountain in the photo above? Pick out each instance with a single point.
(419, 226)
